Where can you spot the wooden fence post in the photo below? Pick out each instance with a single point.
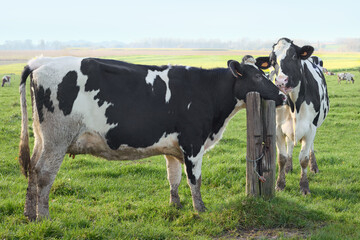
(254, 142)
(268, 163)
(261, 155)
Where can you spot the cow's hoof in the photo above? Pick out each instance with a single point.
(314, 169)
(42, 218)
(305, 191)
(304, 187)
(200, 207)
(177, 205)
(280, 185)
(30, 217)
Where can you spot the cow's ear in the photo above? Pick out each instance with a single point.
(306, 51)
(263, 62)
(235, 68)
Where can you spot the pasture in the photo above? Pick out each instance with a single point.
(97, 199)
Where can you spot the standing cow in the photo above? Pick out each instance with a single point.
(6, 79)
(122, 111)
(306, 109)
(348, 77)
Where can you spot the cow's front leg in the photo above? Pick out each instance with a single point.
(174, 176)
(281, 159)
(289, 162)
(312, 160)
(193, 172)
(306, 144)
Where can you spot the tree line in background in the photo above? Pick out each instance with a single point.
(345, 45)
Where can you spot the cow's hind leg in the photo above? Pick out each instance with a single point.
(46, 170)
(312, 160)
(31, 194)
(174, 176)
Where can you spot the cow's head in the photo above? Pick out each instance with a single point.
(286, 58)
(250, 77)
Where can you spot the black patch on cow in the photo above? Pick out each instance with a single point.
(290, 103)
(316, 119)
(42, 98)
(315, 60)
(138, 109)
(67, 92)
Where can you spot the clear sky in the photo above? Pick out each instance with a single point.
(132, 20)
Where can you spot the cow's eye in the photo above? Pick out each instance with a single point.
(258, 75)
(294, 57)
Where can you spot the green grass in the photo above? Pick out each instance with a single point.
(96, 199)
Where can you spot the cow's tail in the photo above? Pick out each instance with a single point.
(24, 151)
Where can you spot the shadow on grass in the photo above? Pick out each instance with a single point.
(278, 213)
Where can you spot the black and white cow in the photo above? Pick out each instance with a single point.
(122, 111)
(307, 106)
(6, 80)
(348, 77)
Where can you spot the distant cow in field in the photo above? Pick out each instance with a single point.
(328, 72)
(348, 77)
(307, 106)
(122, 111)
(6, 80)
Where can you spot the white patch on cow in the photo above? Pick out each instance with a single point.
(280, 51)
(304, 120)
(210, 143)
(151, 76)
(197, 161)
(281, 48)
(251, 64)
(92, 115)
(251, 61)
(294, 94)
(188, 106)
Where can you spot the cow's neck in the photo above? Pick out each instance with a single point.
(224, 103)
(294, 94)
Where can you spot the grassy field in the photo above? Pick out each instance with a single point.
(97, 199)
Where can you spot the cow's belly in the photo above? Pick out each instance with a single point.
(95, 144)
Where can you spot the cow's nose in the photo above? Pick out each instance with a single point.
(281, 80)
